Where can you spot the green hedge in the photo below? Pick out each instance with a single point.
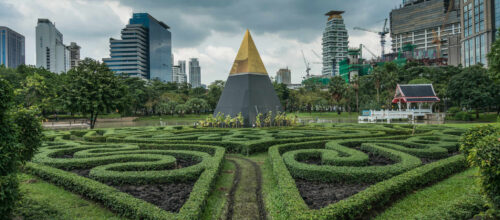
(363, 202)
(123, 203)
(343, 173)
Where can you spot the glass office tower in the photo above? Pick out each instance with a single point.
(11, 48)
(144, 51)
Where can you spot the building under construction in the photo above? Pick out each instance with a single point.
(427, 30)
(335, 43)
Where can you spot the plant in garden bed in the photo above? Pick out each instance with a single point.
(481, 146)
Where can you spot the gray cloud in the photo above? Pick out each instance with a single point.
(302, 20)
(208, 29)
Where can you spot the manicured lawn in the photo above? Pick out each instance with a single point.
(326, 115)
(465, 125)
(191, 117)
(434, 198)
(273, 201)
(217, 201)
(42, 200)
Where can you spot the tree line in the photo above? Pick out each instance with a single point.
(91, 89)
(475, 88)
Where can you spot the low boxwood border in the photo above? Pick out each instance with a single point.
(127, 205)
(373, 197)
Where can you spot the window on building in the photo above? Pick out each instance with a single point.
(478, 49)
(497, 14)
(468, 19)
(483, 49)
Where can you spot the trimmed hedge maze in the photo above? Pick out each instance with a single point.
(169, 172)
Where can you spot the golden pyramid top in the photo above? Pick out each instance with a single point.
(248, 58)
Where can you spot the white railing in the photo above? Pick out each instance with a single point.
(388, 115)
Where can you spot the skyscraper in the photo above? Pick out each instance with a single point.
(182, 71)
(194, 73)
(480, 22)
(431, 28)
(51, 53)
(284, 76)
(176, 74)
(335, 43)
(11, 48)
(144, 51)
(74, 55)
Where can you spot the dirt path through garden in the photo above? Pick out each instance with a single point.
(245, 197)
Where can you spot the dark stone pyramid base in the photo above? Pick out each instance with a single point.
(249, 94)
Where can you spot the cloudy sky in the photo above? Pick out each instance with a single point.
(211, 30)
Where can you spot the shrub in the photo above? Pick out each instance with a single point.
(481, 146)
(453, 110)
(20, 136)
(462, 116)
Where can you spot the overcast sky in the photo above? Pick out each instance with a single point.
(211, 30)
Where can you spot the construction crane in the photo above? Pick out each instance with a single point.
(317, 55)
(366, 48)
(308, 65)
(385, 31)
(437, 37)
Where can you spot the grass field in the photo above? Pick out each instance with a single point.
(42, 200)
(436, 198)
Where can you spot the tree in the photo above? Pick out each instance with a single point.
(136, 96)
(420, 81)
(472, 88)
(92, 89)
(355, 88)
(283, 93)
(181, 109)
(494, 59)
(337, 89)
(20, 136)
(197, 105)
(385, 78)
(214, 93)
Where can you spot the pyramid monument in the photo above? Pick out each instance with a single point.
(248, 88)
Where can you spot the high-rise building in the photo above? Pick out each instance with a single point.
(11, 48)
(335, 43)
(182, 71)
(425, 26)
(74, 54)
(144, 51)
(480, 21)
(176, 74)
(194, 73)
(51, 53)
(284, 76)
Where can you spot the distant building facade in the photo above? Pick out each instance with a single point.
(144, 51)
(176, 74)
(194, 73)
(182, 71)
(335, 43)
(74, 55)
(421, 23)
(12, 48)
(480, 20)
(284, 76)
(51, 53)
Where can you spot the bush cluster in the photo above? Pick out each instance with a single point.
(342, 163)
(481, 146)
(130, 164)
(20, 136)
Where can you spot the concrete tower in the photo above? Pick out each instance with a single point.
(335, 43)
